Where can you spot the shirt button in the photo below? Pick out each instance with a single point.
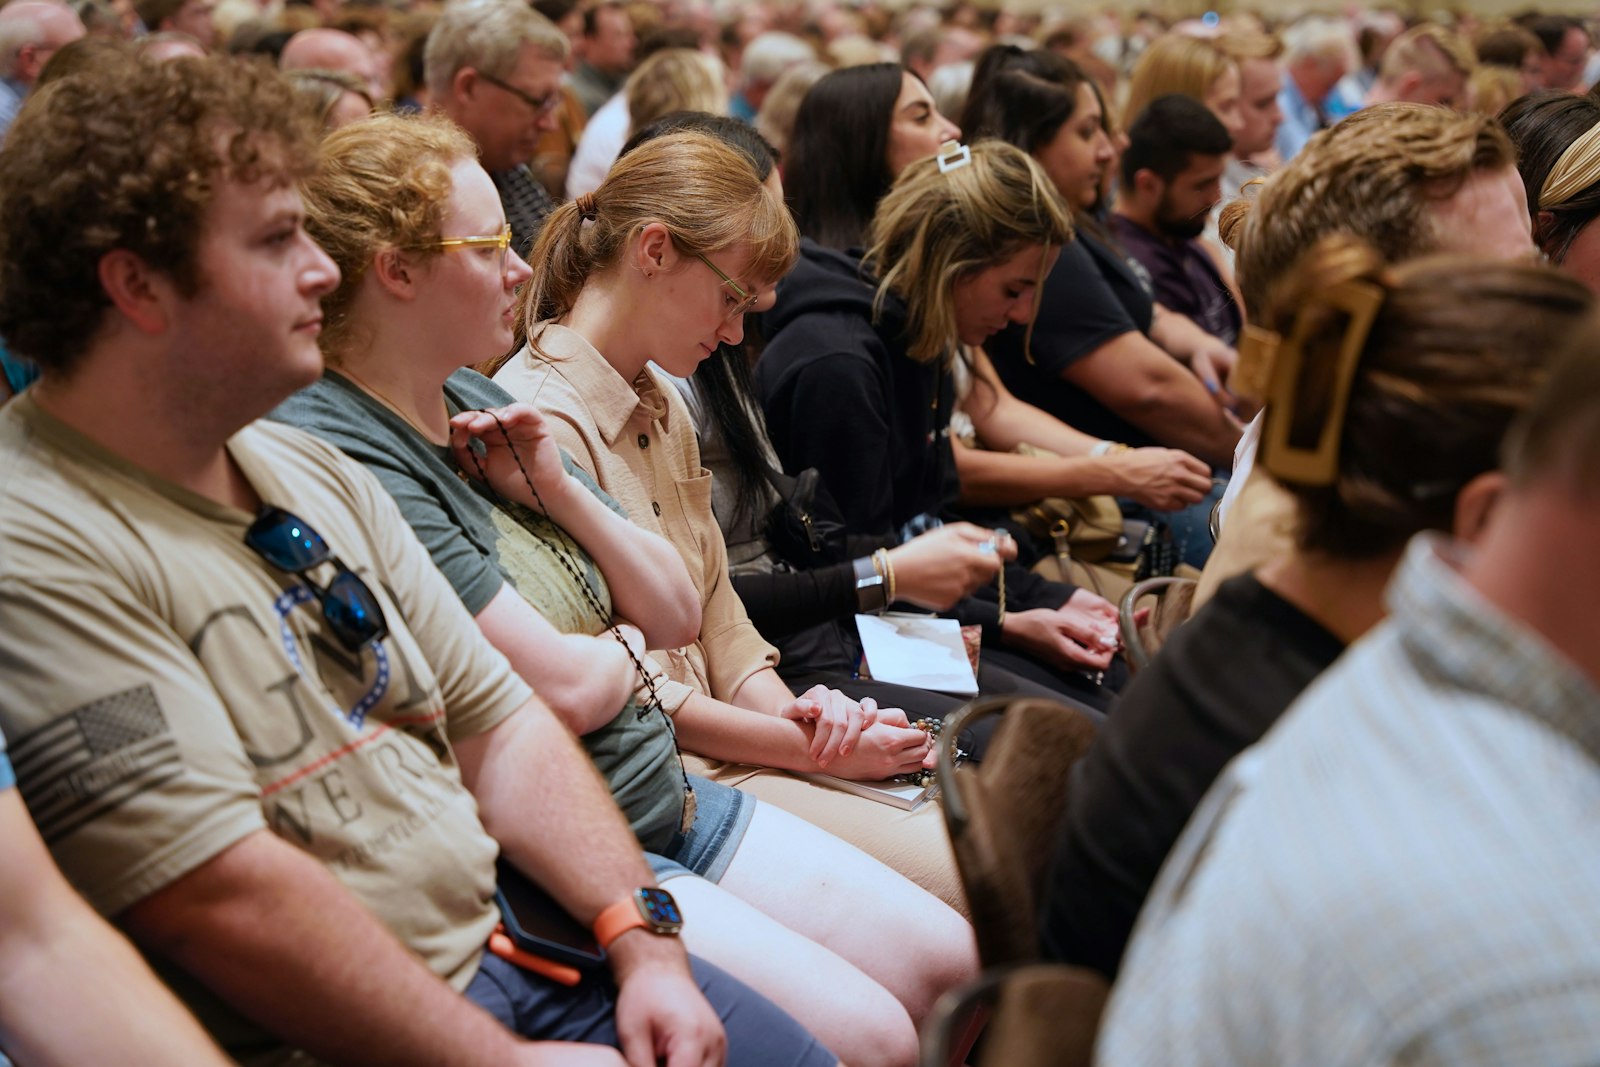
(655, 506)
(644, 440)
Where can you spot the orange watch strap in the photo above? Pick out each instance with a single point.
(617, 919)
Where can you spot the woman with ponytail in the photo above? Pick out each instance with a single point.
(1389, 392)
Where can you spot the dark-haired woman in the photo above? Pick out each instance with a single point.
(1103, 357)
(1558, 155)
(856, 130)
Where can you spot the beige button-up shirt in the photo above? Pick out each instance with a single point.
(638, 442)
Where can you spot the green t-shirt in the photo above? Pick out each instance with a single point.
(480, 545)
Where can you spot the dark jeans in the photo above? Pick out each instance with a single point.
(1191, 526)
(760, 1034)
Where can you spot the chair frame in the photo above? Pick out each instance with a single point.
(1132, 641)
(1003, 874)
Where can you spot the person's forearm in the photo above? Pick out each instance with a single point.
(541, 798)
(1176, 332)
(1144, 385)
(72, 991)
(1188, 419)
(77, 993)
(585, 679)
(788, 601)
(763, 692)
(717, 730)
(1003, 422)
(649, 583)
(1013, 422)
(991, 479)
(272, 932)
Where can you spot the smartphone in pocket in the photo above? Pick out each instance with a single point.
(535, 925)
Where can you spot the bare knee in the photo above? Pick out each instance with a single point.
(885, 1038)
(949, 959)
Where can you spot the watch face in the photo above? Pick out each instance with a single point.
(660, 910)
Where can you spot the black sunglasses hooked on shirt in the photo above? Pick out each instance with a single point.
(349, 607)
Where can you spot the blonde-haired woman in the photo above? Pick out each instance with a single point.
(660, 264)
(857, 378)
(673, 79)
(548, 565)
(1176, 63)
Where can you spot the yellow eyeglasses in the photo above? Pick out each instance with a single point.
(502, 241)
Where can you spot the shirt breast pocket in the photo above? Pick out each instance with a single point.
(694, 502)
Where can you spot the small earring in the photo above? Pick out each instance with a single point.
(649, 274)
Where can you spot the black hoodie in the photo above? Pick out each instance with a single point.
(841, 395)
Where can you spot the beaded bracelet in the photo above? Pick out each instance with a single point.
(927, 776)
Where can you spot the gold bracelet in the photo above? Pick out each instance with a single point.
(880, 559)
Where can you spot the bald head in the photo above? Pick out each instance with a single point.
(31, 31)
(169, 44)
(325, 49)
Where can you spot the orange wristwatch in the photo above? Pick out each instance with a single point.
(649, 907)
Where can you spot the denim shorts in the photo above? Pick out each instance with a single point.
(721, 816)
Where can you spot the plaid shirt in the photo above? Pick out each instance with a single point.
(526, 203)
(1403, 870)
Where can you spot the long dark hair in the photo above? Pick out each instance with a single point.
(723, 381)
(1023, 98)
(1543, 125)
(837, 165)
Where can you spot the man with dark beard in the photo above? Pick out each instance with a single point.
(1171, 179)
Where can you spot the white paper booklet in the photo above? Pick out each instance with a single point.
(918, 650)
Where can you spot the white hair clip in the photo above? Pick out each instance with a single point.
(953, 155)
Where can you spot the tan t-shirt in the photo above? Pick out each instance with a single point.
(165, 692)
(637, 440)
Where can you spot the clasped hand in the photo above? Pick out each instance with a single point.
(861, 741)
